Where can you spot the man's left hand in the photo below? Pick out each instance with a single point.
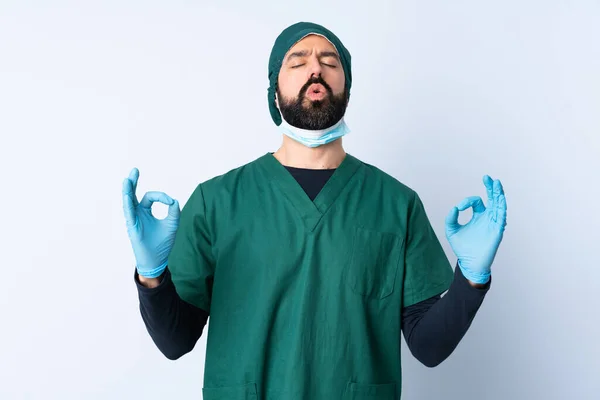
(476, 243)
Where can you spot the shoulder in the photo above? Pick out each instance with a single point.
(387, 183)
(230, 181)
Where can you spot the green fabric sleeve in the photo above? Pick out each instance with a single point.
(427, 271)
(191, 261)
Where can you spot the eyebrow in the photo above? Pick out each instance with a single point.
(304, 53)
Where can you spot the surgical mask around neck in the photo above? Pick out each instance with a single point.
(314, 138)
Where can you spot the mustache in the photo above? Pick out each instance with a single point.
(315, 80)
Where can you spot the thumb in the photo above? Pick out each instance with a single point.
(452, 219)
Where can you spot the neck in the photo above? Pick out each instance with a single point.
(294, 154)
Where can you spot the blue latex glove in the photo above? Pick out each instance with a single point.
(151, 238)
(476, 243)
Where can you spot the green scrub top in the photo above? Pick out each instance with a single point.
(305, 297)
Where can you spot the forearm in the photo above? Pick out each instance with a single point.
(435, 335)
(173, 324)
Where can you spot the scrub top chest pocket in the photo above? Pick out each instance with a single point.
(373, 264)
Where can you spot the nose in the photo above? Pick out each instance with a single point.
(314, 66)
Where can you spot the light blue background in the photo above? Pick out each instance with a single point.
(443, 93)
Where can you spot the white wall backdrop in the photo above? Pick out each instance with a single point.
(443, 93)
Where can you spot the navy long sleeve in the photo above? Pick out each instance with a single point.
(434, 327)
(173, 324)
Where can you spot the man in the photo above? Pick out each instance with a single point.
(309, 262)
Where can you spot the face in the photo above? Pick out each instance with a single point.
(311, 92)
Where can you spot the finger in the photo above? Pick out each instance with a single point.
(134, 175)
(498, 189)
(472, 201)
(501, 210)
(489, 184)
(452, 219)
(496, 192)
(174, 211)
(128, 209)
(501, 202)
(153, 197)
(129, 202)
(127, 187)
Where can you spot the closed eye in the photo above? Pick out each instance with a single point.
(328, 65)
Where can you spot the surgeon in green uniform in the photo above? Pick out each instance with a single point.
(305, 292)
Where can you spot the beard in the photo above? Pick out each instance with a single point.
(305, 113)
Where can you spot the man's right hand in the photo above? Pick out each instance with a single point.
(151, 238)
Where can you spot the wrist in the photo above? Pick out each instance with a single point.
(149, 283)
(477, 285)
(475, 279)
(152, 273)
